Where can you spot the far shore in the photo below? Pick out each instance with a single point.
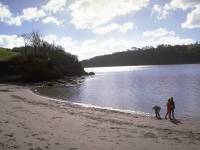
(33, 122)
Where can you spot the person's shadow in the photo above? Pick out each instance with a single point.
(176, 122)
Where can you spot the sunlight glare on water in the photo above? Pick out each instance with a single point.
(115, 69)
(137, 88)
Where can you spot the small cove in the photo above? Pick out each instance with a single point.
(136, 88)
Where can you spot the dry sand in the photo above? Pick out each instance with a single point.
(32, 122)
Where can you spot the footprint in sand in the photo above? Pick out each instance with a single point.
(56, 117)
(57, 143)
(37, 148)
(29, 144)
(17, 97)
(5, 90)
(41, 139)
(34, 134)
(4, 121)
(14, 147)
(9, 135)
(177, 139)
(73, 149)
(150, 135)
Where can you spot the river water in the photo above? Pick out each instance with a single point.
(137, 88)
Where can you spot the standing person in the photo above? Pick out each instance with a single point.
(172, 103)
(168, 109)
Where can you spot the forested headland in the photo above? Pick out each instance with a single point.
(160, 55)
(37, 60)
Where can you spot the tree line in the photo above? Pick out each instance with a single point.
(39, 60)
(162, 54)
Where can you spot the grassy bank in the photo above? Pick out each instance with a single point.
(6, 54)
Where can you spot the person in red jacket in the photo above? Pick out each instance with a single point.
(169, 109)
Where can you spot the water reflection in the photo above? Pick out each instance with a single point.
(137, 88)
(116, 68)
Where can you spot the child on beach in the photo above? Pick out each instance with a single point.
(157, 111)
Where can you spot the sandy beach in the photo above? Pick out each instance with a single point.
(32, 122)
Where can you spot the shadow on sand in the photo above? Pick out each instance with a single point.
(158, 118)
(176, 122)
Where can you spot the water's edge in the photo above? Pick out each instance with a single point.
(132, 89)
(90, 106)
(99, 108)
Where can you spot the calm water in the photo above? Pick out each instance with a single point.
(137, 88)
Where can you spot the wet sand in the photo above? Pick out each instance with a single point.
(32, 122)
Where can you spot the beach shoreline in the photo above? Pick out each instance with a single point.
(31, 121)
(91, 106)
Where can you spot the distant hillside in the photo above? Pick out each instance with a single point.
(6, 53)
(163, 54)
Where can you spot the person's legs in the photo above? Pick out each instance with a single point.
(166, 114)
(158, 115)
(172, 113)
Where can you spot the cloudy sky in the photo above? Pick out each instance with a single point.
(89, 28)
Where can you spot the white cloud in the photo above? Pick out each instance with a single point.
(160, 32)
(65, 42)
(162, 11)
(15, 21)
(87, 14)
(184, 4)
(53, 20)
(169, 40)
(10, 41)
(51, 38)
(55, 5)
(193, 19)
(163, 36)
(114, 27)
(27, 14)
(94, 47)
(4, 12)
(126, 26)
(7, 17)
(32, 14)
(90, 48)
(84, 49)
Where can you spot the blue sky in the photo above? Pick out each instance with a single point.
(88, 28)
